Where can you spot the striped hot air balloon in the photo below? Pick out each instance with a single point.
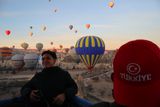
(90, 49)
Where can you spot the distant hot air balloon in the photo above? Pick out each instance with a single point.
(17, 61)
(44, 28)
(8, 32)
(31, 27)
(55, 10)
(51, 43)
(88, 26)
(70, 27)
(111, 4)
(90, 49)
(75, 31)
(13, 46)
(30, 33)
(61, 46)
(49, 0)
(39, 46)
(24, 45)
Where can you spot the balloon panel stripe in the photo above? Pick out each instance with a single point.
(97, 56)
(84, 60)
(93, 42)
(81, 42)
(92, 58)
(98, 42)
(87, 42)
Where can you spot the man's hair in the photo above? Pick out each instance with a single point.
(53, 54)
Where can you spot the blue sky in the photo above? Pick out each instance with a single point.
(127, 20)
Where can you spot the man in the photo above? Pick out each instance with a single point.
(136, 78)
(53, 87)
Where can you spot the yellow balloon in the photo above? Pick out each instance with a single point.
(111, 4)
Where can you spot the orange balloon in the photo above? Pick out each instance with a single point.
(30, 33)
(88, 26)
(111, 4)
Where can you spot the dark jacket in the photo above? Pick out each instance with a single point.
(50, 83)
(107, 104)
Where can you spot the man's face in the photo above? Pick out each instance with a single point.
(48, 61)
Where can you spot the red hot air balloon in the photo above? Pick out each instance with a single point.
(88, 26)
(8, 32)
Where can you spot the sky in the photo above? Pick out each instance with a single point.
(127, 20)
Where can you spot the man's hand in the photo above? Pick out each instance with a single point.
(34, 97)
(59, 99)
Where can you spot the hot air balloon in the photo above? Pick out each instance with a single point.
(30, 60)
(5, 53)
(13, 46)
(44, 28)
(111, 4)
(61, 46)
(8, 32)
(24, 45)
(17, 61)
(75, 31)
(90, 49)
(70, 27)
(31, 27)
(55, 10)
(51, 43)
(30, 33)
(88, 26)
(39, 46)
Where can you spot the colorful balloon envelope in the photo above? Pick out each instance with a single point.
(90, 49)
